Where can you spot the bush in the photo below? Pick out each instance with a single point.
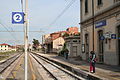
(61, 53)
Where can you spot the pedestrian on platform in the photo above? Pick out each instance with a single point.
(66, 53)
(92, 61)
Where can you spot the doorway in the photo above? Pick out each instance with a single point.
(87, 46)
(101, 48)
(74, 51)
(119, 44)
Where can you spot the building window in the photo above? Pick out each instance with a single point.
(5, 49)
(116, 1)
(100, 2)
(86, 6)
(74, 40)
(5, 45)
(1, 46)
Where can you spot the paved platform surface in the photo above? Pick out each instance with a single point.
(105, 71)
(18, 70)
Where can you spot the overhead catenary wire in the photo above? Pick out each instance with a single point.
(21, 31)
(8, 31)
(64, 10)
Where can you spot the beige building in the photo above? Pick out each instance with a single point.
(105, 15)
(47, 43)
(58, 44)
(12, 48)
(73, 45)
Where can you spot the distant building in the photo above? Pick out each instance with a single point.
(20, 47)
(54, 42)
(104, 20)
(30, 47)
(58, 44)
(72, 30)
(73, 45)
(12, 48)
(6, 47)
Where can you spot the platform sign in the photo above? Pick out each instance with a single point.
(83, 48)
(17, 18)
(100, 24)
(102, 37)
(113, 36)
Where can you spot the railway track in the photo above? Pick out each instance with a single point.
(55, 72)
(5, 64)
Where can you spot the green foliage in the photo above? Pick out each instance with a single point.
(4, 55)
(35, 43)
(65, 35)
(63, 51)
(7, 53)
(64, 47)
(20, 49)
(77, 34)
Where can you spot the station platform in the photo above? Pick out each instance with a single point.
(104, 72)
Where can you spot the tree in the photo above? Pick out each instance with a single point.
(35, 43)
(78, 34)
(65, 35)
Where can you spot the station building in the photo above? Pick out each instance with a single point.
(73, 45)
(105, 16)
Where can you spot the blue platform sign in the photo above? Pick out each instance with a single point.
(113, 36)
(17, 18)
(100, 24)
(102, 37)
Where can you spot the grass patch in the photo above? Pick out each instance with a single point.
(7, 53)
(4, 55)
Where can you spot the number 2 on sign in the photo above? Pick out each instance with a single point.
(17, 17)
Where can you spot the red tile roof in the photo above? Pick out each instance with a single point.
(4, 44)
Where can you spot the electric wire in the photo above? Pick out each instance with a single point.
(64, 10)
(11, 27)
(8, 31)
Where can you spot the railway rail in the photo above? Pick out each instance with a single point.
(5, 64)
(55, 71)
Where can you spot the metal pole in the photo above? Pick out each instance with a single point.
(93, 21)
(26, 37)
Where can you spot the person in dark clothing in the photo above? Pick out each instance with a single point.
(66, 53)
(93, 60)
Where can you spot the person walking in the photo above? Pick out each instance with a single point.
(92, 61)
(66, 53)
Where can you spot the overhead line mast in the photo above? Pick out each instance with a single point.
(26, 37)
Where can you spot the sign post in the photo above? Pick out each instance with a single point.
(18, 18)
(26, 38)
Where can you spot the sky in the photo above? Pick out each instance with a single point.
(41, 13)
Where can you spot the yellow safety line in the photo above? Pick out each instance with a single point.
(17, 67)
(31, 66)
